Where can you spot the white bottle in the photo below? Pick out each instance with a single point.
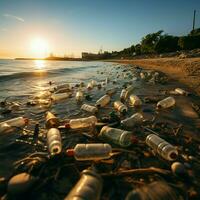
(135, 100)
(166, 103)
(89, 108)
(181, 91)
(79, 96)
(91, 151)
(54, 141)
(90, 86)
(117, 136)
(161, 147)
(103, 101)
(130, 122)
(10, 125)
(60, 96)
(119, 106)
(88, 187)
(124, 95)
(82, 122)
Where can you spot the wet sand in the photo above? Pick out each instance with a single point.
(186, 70)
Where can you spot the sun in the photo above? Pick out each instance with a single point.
(39, 47)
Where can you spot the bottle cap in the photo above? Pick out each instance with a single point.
(26, 120)
(70, 152)
(67, 126)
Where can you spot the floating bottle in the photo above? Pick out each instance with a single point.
(166, 103)
(51, 120)
(161, 147)
(54, 141)
(89, 108)
(90, 86)
(79, 96)
(123, 95)
(43, 95)
(88, 187)
(119, 106)
(91, 151)
(82, 122)
(181, 91)
(133, 120)
(117, 136)
(135, 100)
(10, 125)
(63, 86)
(103, 101)
(60, 96)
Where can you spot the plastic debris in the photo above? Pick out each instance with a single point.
(89, 108)
(166, 103)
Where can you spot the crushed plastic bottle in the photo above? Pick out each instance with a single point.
(91, 151)
(81, 122)
(161, 147)
(123, 95)
(181, 91)
(117, 136)
(103, 101)
(166, 103)
(119, 106)
(88, 187)
(54, 141)
(89, 108)
(79, 96)
(135, 100)
(60, 96)
(12, 124)
(130, 122)
(51, 120)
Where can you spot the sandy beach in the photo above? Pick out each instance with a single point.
(186, 71)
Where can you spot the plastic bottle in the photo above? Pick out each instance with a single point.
(82, 122)
(89, 108)
(79, 96)
(10, 125)
(94, 83)
(63, 86)
(181, 91)
(166, 103)
(51, 120)
(117, 136)
(90, 86)
(60, 96)
(161, 147)
(135, 100)
(103, 101)
(54, 141)
(43, 95)
(119, 106)
(90, 151)
(123, 95)
(133, 120)
(88, 187)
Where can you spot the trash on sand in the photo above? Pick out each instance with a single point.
(166, 103)
(135, 100)
(119, 106)
(130, 122)
(89, 108)
(103, 101)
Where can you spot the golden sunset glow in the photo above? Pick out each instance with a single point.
(39, 47)
(39, 64)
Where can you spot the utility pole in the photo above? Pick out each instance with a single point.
(194, 20)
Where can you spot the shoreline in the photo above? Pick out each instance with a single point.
(186, 71)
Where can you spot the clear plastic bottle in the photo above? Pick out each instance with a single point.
(51, 120)
(181, 91)
(88, 187)
(63, 86)
(103, 101)
(117, 136)
(119, 106)
(89, 108)
(54, 141)
(10, 125)
(43, 95)
(90, 86)
(133, 120)
(124, 95)
(161, 147)
(90, 151)
(135, 100)
(79, 96)
(60, 96)
(82, 122)
(166, 103)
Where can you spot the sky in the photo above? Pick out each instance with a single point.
(36, 28)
